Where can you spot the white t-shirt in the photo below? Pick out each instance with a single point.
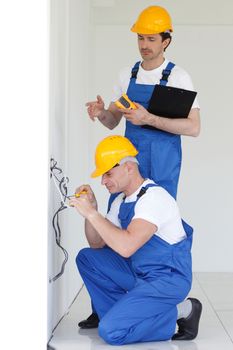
(178, 78)
(156, 206)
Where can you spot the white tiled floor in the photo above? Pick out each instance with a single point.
(215, 290)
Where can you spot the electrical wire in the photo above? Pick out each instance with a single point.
(61, 185)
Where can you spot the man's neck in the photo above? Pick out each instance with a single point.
(153, 64)
(134, 185)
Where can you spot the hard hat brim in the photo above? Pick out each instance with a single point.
(99, 172)
(96, 173)
(136, 29)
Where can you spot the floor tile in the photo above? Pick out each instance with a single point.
(226, 317)
(218, 287)
(216, 325)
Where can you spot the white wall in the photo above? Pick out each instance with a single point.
(89, 45)
(69, 35)
(206, 190)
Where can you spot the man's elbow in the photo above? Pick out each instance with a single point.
(193, 129)
(111, 127)
(98, 245)
(125, 255)
(126, 252)
(195, 132)
(194, 123)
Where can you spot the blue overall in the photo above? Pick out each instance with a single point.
(159, 151)
(136, 297)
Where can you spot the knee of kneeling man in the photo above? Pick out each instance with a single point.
(81, 256)
(103, 331)
(107, 333)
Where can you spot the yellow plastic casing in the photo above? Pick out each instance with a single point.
(124, 102)
(79, 193)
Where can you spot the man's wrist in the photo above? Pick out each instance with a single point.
(102, 115)
(92, 214)
(152, 119)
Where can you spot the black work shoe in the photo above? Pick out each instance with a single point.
(188, 327)
(91, 322)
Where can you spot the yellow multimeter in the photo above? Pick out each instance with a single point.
(124, 102)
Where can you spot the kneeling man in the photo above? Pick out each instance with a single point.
(138, 268)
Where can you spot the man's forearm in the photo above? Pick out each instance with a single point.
(118, 239)
(180, 126)
(93, 238)
(107, 119)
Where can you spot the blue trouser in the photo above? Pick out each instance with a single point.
(135, 306)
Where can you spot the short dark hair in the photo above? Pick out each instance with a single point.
(166, 35)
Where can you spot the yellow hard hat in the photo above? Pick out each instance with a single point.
(153, 20)
(110, 151)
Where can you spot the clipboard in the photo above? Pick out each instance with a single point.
(171, 102)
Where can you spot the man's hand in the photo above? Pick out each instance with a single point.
(85, 202)
(139, 116)
(95, 108)
(83, 205)
(89, 193)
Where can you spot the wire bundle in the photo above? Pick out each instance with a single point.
(61, 185)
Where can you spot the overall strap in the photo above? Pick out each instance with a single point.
(166, 72)
(134, 70)
(126, 210)
(144, 189)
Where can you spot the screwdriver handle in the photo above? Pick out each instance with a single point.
(79, 193)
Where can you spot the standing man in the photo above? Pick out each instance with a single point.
(138, 267)
(159, 145)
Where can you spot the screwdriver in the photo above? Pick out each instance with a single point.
(79, 193)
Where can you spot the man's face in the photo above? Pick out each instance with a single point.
(116, 179)
(151, 46)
